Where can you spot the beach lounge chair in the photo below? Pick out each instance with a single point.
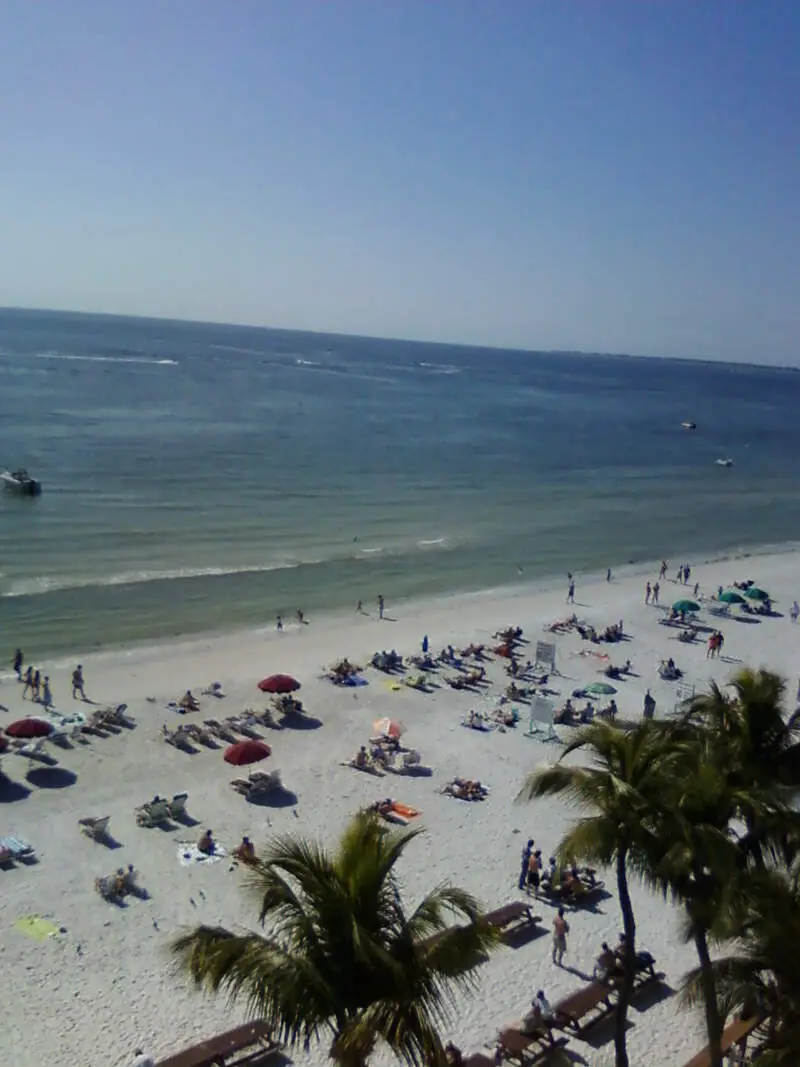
(735, 1033)
(213, 690)
(221, 730)
(177, 806)
(254, 1039)
(95, 827)
(30, 749)
(18, 847)
(525, 1047)
(153, 814)
(179, 738)
(243, 726)
(265, 781)
(197, 733)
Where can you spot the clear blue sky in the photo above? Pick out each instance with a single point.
(592, 174)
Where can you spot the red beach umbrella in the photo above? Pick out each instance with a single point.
(28, 728)
(279, 683)
(244, 752)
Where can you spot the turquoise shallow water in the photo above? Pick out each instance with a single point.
(201, 477)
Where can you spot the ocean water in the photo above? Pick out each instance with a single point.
(203, 477)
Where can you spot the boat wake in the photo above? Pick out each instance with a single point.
(148, 361)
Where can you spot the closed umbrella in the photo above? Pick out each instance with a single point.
(685, 606)
(244, 752)
(279, 683)
(28, 728)
(730, 596)
(599, 689)
(389, 728)
(754, 593)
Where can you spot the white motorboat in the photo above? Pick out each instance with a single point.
(724, 462)
(688, 425)
(20, 481)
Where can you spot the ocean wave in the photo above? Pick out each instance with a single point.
(107, 359)
(440, 368)
(307, 362)
(434, 541)
(44, 584)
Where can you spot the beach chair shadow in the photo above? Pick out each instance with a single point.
(415, 771)
(602, 1032)
(11, 791)
(647, 996)
(51, 777)
(524, 935)
(274, 798)
(301, 722)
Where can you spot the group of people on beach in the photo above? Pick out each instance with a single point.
(38, 685)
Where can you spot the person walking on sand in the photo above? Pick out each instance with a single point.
(662, 573)
(77, 683)
(37, 684)
(647, 593)
(608, 575)
(47, 696)
(279, 624)
(656, 591)
(535, 872)
(359, 608)
(28, 679)
(795, 611)
(380, 605)
(571, 591)
(687, 573)
(560, 931)
(18, 664)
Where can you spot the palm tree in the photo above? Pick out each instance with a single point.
(763, 975)
(758, 750)
(341, 956)
(619, 788)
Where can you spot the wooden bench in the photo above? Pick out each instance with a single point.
(512, 919)
(529, 1046)
(570, 1013)
(736, 1033)
(231, 1049)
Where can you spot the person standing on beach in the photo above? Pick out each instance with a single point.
(663, 570)
(359, 608)
(527, 852)
(571, 591)
(37, 683)
(380, 605)
(47, 696)
(560, 931)
(77, 683)
(18, 664)
(647, 593)
(687, 573)
(28, 679)
(279, 624)
(696, 589)
(795, 611)
(608, 575)
(535, 872)
(656, 591)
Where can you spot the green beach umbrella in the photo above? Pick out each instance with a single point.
(730, 596)
(754, 593)
(599, 689)
(685, 606)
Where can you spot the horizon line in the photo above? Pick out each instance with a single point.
(400, 340)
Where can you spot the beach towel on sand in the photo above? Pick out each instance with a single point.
(35, 927)
(189, 854)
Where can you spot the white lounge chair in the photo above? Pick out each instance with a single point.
(220, 730)
(31, 749)
(17, 846)
(94, 827)
(177, 805)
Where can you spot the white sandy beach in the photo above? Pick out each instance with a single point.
(105, 984)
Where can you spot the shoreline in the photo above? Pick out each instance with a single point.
(410, 608)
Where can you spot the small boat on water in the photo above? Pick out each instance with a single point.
(688, 425)
(724, 462)
(20, 481)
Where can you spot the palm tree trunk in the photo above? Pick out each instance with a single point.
(713, 1021)
(629, 963)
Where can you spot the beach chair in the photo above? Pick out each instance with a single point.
(540, 724)
(18, 847)
(29, 749)
(177, 806)
(197, 733)
(736, 1033)
(545, 657)
(178, 738)
(254, 1040)
(95, 827)
(221, 730)
(242, 726)
(266, 781)
(153, 814)
(527, 1048)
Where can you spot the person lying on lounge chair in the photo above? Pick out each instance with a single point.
(245, 852)
(206, 844)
